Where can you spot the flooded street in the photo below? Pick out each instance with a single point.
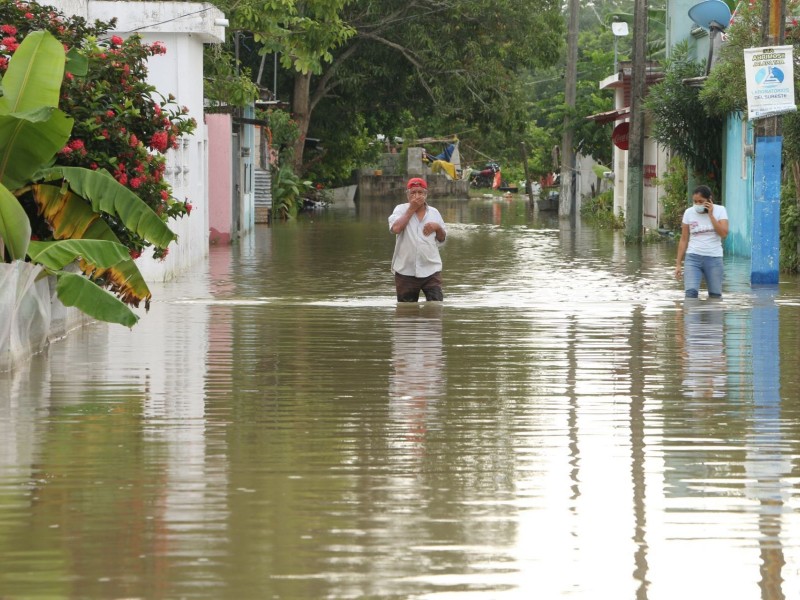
(278, 427)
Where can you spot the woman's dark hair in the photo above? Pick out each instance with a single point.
(703, 190)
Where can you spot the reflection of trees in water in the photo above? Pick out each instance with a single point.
(704, 370)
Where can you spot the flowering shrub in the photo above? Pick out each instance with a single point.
(122, 124)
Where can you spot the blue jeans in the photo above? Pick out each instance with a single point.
(696, 267)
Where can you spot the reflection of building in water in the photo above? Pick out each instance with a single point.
(704, 371)
(768, 462)
(417, 381)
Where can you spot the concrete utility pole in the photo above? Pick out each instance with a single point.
(634, 206)
(765, 254)
(566, 201)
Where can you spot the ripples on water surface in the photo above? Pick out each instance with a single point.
(277, 427)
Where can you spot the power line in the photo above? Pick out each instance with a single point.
(197, 12)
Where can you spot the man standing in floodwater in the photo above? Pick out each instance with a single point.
(420, 230)
(703, 228)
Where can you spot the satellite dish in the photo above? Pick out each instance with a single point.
(619, 28)
(709, 11)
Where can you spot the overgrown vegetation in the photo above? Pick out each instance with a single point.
(675, 198)
(790, 226)
(287, 193)
(600, 211)
(681, 121)
(226, 85)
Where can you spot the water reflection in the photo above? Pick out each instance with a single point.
(418, 379)
(277, 427)
(767, 463)
(704, 349)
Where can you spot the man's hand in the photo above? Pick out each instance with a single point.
(416, 202)
(430, 228)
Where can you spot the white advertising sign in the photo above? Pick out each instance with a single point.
(770, 81)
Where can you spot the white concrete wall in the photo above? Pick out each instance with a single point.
(587, 177)
(30, 314)
(184, 27)
(247, 207)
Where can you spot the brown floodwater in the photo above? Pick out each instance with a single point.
(277, 427)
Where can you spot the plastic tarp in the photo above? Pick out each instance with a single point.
(448, 152)
(25, 312)
(451, 155)
(442, 166)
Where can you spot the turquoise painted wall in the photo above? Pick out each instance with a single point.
(679, 27)
(737, 186)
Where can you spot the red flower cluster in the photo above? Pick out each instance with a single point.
(9, 43)
(159, 141)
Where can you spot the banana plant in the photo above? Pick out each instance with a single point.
(71, 199)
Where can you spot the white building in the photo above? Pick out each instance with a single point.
(183, 27)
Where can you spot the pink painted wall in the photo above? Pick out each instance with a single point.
(220, 182)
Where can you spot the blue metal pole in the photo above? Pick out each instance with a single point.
(765, 260)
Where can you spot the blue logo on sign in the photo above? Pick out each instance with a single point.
(769, 76)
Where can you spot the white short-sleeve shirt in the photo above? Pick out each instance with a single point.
(703, 240)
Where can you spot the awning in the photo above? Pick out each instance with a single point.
(611, 115)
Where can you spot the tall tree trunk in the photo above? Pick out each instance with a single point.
(301, 113)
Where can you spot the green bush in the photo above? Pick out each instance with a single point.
(600, 210)
(674, 201)
(287, 193)
(790, 221)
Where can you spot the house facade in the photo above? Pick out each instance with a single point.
(655, 157)
(737, 159)
(184, 28)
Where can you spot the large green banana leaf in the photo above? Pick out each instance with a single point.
(34, 76)
(15, 227)
(71, 217)
(107, 195)
(75, 290)
(28, 141)
(57, 255)
(68, 215)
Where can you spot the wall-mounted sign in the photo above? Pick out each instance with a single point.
(620, 135)
(770, 81)
(649, 175)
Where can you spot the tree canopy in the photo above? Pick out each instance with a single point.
(488, 71)
(438, 66)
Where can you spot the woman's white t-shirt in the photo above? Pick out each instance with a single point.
(703, 240)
